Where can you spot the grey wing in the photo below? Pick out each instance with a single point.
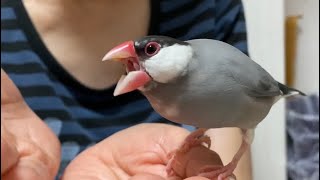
(253, 78)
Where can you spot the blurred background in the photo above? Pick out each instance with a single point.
(283, 36)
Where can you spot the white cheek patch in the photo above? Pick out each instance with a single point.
(169, 63)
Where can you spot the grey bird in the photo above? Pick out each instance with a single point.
(201, 82)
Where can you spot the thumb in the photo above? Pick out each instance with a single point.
(146, 176)
(9, 152)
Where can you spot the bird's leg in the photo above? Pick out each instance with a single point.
(196, 138)
(224, 172)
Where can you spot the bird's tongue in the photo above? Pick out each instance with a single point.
(130, 82)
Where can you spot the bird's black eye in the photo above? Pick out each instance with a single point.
(152, 48)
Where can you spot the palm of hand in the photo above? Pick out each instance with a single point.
(140, 152)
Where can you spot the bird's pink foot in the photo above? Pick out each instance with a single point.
(172, 161)
(218, 172)
(194, 139)
(226, 172)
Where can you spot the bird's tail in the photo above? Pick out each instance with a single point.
(288, 91)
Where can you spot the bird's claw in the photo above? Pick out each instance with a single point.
(196, 138)
(218, 172)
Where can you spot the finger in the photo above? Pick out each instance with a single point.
(9, 92)
(156, 177)
(9, 153)
(33, 148)
(196, 178)
(28, 168)
(146, 177)
(31, 161)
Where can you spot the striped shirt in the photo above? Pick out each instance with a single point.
(80, 116)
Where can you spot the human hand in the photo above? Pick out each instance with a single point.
(29, 149)
(140, 152)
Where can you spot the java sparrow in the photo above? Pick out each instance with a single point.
(201, 82)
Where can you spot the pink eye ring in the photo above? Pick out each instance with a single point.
(152, 48)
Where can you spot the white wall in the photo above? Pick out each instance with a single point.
(307, 66)
(265, 23)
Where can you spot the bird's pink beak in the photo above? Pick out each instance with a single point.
(136, 77)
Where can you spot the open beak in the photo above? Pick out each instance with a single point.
(136, 77)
